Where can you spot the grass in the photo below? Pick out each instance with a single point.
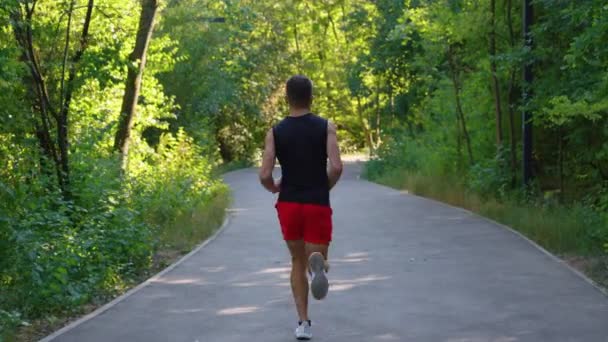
(561, 230)
(190, 228)
(232, 166)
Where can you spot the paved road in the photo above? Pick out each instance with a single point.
(404, 269)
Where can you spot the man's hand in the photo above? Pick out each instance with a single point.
(333, 154)
(268, 160)
(277, 185)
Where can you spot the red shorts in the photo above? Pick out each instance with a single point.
(308, 222)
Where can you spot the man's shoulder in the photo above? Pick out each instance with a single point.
(319, 120)
(280, 122)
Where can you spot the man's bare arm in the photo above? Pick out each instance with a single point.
(268, 161)
(333, 154)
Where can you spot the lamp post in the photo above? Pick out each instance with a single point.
(528, 18)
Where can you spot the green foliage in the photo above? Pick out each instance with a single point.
(173, 181)
(490, 178)
(397, 154)
(8, 322)
(410, 81)
(59, 252)
(452, 114)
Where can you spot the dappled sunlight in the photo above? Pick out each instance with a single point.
(213, 269)
(247, 284)
(274, 270)
(284, 299)
(184, 281)
(348, 260)
(357, 255)
(283, 273)
(387, 337)
(351, 258)
(341, 287)
(349, 284)
(362, 280)
(483, 339)
(260, 283)
(187, 311)
(241, 310)
(237, 210)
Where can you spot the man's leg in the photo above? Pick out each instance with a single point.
(317, 237)
(299, 279)
(312, 247)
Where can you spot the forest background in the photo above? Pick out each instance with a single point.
(118, 117)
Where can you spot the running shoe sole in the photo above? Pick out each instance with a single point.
(319, 284)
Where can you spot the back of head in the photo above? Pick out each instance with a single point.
(299, 91)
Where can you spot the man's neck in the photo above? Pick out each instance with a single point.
(298, 111)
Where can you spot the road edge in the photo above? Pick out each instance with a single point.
(552, 256)
(132, 291)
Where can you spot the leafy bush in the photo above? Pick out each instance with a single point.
(62, 254)
(56, 255)
(172, 181)
(8, 322)
(396, 153)
(490, 177)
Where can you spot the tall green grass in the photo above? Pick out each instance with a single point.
(564, 230)
(191, 227)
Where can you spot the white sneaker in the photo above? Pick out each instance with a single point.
(319, 284)
(303, 331)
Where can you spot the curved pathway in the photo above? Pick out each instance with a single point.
(403, 269)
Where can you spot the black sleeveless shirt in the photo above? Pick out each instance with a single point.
(301, 148)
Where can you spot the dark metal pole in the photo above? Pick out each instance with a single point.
(528, 17)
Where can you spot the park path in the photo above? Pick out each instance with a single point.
(403, 269)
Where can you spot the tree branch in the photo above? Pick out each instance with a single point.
(84, 40)
(25, 42)
(65, 51)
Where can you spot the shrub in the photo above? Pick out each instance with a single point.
(490, 178)
(58, 254)
(173, 181)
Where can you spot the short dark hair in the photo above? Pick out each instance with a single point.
(299, 91)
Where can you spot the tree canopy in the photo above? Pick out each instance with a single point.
(114, 115)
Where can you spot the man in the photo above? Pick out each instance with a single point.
(303, 143)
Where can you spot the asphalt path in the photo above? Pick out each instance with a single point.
(404, 268)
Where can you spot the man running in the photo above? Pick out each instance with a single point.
(303, 142)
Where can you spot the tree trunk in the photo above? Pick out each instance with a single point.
(378, 114)
(391, 101)
(62, 117)
(23, 35)
(561, 164)
(463, 122)
(134, 77)
(365, 125)
(496, 86)
(56, 150)
(297, 41)
(459, 111)
(512, 95)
